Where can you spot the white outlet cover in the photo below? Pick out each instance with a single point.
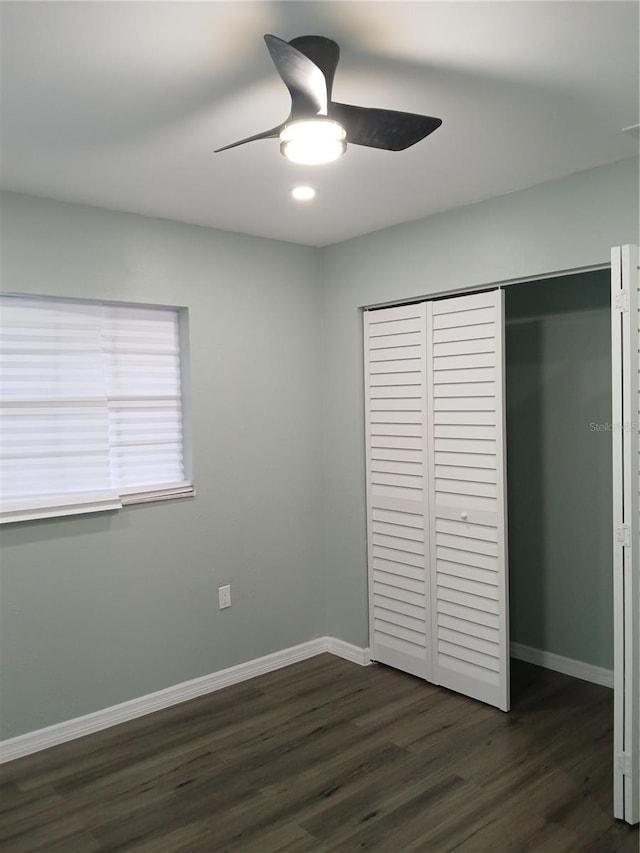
(224, 596)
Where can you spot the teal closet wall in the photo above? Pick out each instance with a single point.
(558, 341)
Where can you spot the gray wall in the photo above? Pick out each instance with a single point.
(558, 343)
(101, 608)
(560, 225)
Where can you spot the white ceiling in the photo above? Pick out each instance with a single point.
(121, 104)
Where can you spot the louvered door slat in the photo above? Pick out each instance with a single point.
(395, 388)
(467, 531)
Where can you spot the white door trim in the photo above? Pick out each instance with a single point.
(626, 532)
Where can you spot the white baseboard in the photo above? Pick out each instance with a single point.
(345, 650)
(568, 666)
(35, 741)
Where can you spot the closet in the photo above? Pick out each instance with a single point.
(437, 502)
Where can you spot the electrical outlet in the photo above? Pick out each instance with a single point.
(224, 596)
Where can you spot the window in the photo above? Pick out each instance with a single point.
(92, 413)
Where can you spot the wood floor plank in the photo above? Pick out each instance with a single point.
(28, 839)
(203, 835)
(386, 816)
(325, 755)
(14, 801)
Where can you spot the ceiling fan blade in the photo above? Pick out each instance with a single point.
(267, 134)
(388, 129)
(323, 52)
(302, 77)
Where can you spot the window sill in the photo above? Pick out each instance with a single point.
(83, 505)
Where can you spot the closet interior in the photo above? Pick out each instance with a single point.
(559, 477)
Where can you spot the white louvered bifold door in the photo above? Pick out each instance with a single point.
(625, 341)
(395, 389)
(465, 405)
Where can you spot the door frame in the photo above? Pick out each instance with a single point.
(625, 447)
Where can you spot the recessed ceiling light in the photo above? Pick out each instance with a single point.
(303, 193)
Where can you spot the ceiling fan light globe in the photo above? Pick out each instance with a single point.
(313, 141)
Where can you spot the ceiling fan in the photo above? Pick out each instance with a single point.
(318, 128)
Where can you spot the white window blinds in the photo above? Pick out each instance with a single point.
(91, 413)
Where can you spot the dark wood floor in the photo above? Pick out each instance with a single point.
(327, 755)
